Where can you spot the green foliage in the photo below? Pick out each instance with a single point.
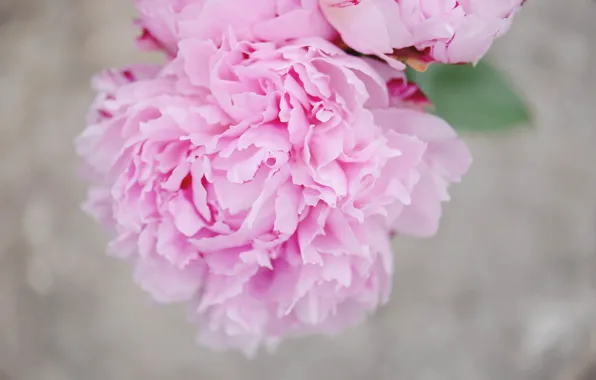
(472, 98)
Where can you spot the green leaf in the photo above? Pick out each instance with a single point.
(472, 98)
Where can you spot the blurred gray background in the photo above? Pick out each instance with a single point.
(506, 291)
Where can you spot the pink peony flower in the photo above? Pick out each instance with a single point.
(261, 183)
(448, 31)
(166, 22)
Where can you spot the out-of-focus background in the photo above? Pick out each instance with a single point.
(506, 291)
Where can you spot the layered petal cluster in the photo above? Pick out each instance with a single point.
(261, 181)
(167, 22)
(448, 31)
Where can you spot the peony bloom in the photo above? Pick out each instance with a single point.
(448, 31)
(166, 22)
(261, 182)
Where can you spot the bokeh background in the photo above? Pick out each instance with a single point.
(506, 291)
